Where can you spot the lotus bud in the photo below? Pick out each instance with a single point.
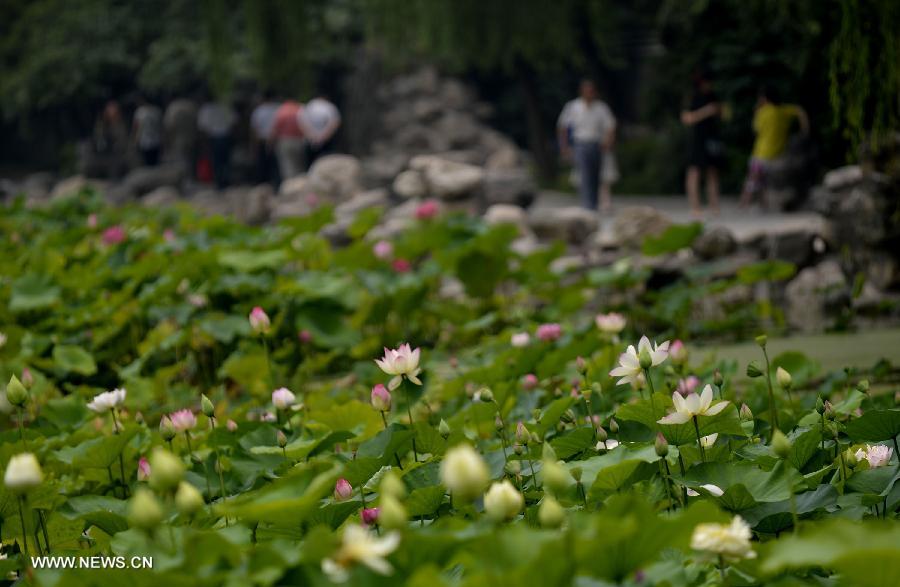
(568, 416)
(601, 434)
(644, 358)
(754, 370)
(863, 386)
(596, 388)
(369, 516)
(556, 478)
(586, 394)
(522, 434)
(718, 379)
(829, 410)
(613, 426)
(486, 395)
(550, 513)
(391, 513)
(464, 472)
(820, 406)
(342, 490)
(144, 511)
(231, 425)
(576, 473)
(536, 415)
(661, 445)
(548, 454)
(381, 398)
(761, 340)
(166, 428)
(530, 382)
(518, 449)
(167, 470)
(514, 468)
(188, 499)
(781, 446)
(498, 423)
(23, 473)
(784, 378)
(503, 501)
(16, 394)
(392, 485)
(581, 365)
(143, 469)
(28, 378)
(444, 429)
(678, 352)
(745, 413)
(207, 407)
(259, 321)
(281, 439)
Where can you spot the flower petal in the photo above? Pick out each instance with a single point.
(675, 418)
(717, 408)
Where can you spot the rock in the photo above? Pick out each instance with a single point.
(68, 187)
(525, 245)
(714, 243)
(211, 202)
(254, 205)
(508, 214)
(336, 176)
(843, 177)
(426, 109)
(506, 157)
(361, 201)
(448, 179)
(380, 170)
(572, 224)
(567, 264)
(815, 293)
(635, 223)
(410, 184)
(509, 186)
(882, 270)
(161, 196)
(36, 187)
(459, 129)
(294, 187)
(454, 94)
(146, 179)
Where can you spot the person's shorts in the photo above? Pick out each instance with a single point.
(703, 153)
(757, 176)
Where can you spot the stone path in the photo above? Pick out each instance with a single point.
(744, 225)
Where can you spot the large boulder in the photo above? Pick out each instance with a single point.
(843, 177)
(448, 179)
(714, 243)
(572, 224)
(635, 223)
(509, 186)
(337, 177)
(410, 184)
(814, 294)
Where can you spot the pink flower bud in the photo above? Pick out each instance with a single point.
(549, 332)
(27, 378)
(369, 516)
(678, 352)
(143, 470)
(231, 425)
(401, 266)
(381, 398)
(530, 382)
(113, 235)
(305, 336)
(427, 210)
(259, 321)
(342, 490)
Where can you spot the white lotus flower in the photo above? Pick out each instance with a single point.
(503, 501)
(732, 541)
(107, 400)
(709, 441)
(283, 398)
(712, 489)
(400, 362)
(520, 339)
(464, 472)
(686, 408)
(612, 323)
(23, 473)
(630, 363)
(360, 546)
(878, 455)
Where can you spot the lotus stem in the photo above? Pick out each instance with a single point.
(409, 400)
(24, 530)
(773, 411)
(699, 442)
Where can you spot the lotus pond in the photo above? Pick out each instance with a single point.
(196, 402)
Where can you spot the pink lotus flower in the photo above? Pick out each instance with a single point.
(688, 385)
(259, 321)
(383, 249)
(305, 336)
(231, 425)
(878, 455)
(370, 516)
(183, 420)
(427, 210)
(283, 398)
(342, 490)
(401, 266)
(268, 417)
(381, 398)
(549, 332)
(612, 323)
(113, 235)
(678, 352)
(143, 470)
(400, 362)
(530, 382)
(92, 221)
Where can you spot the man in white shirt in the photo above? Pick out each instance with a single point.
(592, 127)
(320, 120)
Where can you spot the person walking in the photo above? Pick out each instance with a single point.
(147, 130)
(180, 133)
(772, 124)
(111, 140)
(706, 149)
(216, 121)
(287, 139)
(262, 120)
(592, 126)
(320, 120)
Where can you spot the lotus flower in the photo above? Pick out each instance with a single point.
(503, 501)
(530, 382)
(630, 363)
(259, 321)
(400, 362)
(360, 546)
(183, 420)
(369, 516)
(107, 400)
(520, 339)
(283, 398)
(612, 323)
(23, 473)
(383, 250)
(693, 405)
(714, 490)
(401, 266)
(878, 455)
(427, 210)
(342, 490)
(381, 398)
(688, 385)
(113, 235)
(732, 541)
(464, 472)
(549, 332)
(143, 469)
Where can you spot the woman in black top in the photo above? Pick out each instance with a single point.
(705, 145)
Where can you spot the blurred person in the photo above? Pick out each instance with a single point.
(216, 121)
(262, 120)
(147, 129)
(609, 174)
(287, 139)
(111, 140)
(320, 119)
(180, 133)
(772, 125)
(706, 149)
(592, 126)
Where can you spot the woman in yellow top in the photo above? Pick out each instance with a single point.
(772, 124)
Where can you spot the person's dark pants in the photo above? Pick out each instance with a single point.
(150, 156)
(588, 158)
(313, 152)
(266, 166)
(220, 150)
